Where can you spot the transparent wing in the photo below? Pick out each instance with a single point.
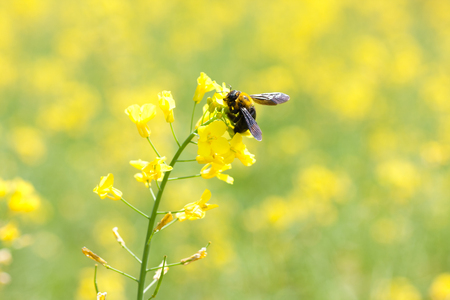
(270, 98)
(252, 125)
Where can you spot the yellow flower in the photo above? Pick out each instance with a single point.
(150, 170)
(101, 296)
(3, 188)
(167, 104)
(199, 255)
(106, 189)
(440, 289)
(215, 170)
(140, 116)
(217, 98)
(241, 150)
(196, 210)
(212, 146)
(204, 85)
(9, 232)
(24, 197)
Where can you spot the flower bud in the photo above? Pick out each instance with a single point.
(93, 256)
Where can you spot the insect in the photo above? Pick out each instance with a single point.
(242, 110)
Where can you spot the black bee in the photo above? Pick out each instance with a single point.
(242, 109)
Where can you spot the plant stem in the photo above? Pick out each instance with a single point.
(186, 160)
(169, 265)
(185, 177)
(95, 279)
(166, 212)
(131, 252)
(174, 135)
(160, 279)
(156, 151)
(151, 222)
(151, 191)
(134, 208)
(192, 118)
(120, 272)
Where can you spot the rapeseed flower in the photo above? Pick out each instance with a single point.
(212, 170)
(9, 232)
(212, 146)
(240, 150)
(93, 256)
(196, 210)
(204, 85)
(106, 189)
(140, 115)
(101, 296)
(167, 104)
(150, 170)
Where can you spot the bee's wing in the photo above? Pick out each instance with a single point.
(270, 98)
(252, 125)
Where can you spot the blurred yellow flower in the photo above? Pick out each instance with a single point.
(398, 289)
(140, 115)
(167, 104)
(212, 170)
(204, 85)
(196, 210)
(150, 170)
(21, 202)
(241, 151)
(199, 255)
(440, 288)
(3, 188)
(106, 189)
(9, 232)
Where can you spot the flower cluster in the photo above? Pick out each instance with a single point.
(217, 147)
(21, 198)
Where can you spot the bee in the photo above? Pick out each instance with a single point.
(242, 109)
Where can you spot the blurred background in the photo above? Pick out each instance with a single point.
(348, 199)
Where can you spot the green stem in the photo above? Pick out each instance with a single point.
(95, 279)
(120, 272)
(156, 151)
(195, 143)
(174, 135)
(151, 191)
(131, 252)
(170, 223)
(151, 222)
(186, 160)
(192, 118)
(150, 285)
(160, 279)
(169, 265)
(134, 208)
(185, 177)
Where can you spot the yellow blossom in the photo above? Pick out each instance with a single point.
(150, 170)
(3, 188)
(106, 189)
(241, 151)
(140, 115)
(199, 255)
(9, 232)
(440, 288)
(24, 202)
(215, 170)
(196, 210)
(204, 85)
(101, 296)
(167, 104)
(212, 146)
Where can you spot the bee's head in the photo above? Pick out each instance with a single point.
(233, 95)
